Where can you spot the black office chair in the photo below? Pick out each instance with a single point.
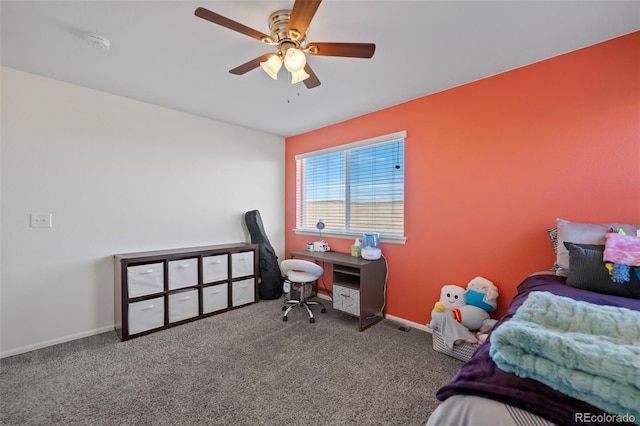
(304, 273)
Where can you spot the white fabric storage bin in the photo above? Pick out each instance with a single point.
(146, 315)
(215, 268)
(243, 292)
(145, 279)
(241, 264)
(346, 299)
(461, 351)
(183, 305)
(215, 298)
(183, 273)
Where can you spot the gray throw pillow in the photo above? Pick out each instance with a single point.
(588, 272)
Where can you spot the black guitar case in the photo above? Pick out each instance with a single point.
(270, 276)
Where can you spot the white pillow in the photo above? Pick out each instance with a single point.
(583, 233)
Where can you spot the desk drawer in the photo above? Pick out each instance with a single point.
(346, 299)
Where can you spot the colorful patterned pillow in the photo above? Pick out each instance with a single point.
(622, 256)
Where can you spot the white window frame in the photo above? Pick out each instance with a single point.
(391, 238)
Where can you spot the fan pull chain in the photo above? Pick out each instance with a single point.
(289, 98)
(291, 87)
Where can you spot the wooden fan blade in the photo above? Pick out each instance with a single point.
(312, 81)
(301, 15)
(349, 50)
(254, 63)
(203, 13)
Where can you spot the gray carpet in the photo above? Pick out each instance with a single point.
(241, 367)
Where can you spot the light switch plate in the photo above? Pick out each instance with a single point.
(41, 220)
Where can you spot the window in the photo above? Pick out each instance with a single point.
(353, 188)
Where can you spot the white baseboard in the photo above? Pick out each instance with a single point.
(408, 323)
(69, 338)
(52, 342)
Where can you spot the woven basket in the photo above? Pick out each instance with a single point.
(463, 352)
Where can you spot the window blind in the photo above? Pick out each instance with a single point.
(353, 188)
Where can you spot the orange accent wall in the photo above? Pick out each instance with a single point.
(491, 164)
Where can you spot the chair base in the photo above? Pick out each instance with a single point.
(289, 304)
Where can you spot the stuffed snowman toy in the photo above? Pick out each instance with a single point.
(452, 302)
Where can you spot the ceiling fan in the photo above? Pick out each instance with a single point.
(288, 31)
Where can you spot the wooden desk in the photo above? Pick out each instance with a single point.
(358, 284)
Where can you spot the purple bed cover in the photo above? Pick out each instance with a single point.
(481, 377)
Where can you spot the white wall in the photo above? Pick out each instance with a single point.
(118, 176)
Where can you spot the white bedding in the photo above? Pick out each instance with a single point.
(472, 410)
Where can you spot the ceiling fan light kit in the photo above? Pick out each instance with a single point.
(288, 35)
(271, 66)
(294, 60)
(298, 76)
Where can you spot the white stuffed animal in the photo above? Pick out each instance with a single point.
(452, 296)
(452, 302)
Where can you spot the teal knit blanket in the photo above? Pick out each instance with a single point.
(586, 351)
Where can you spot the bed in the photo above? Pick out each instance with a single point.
(483, 393)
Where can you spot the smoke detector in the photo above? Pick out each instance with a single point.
(97, 42)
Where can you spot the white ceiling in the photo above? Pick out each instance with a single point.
(161, 53)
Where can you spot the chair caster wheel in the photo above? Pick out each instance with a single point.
(324, 311)
(284, 308)
(284, 318)
(312, 320)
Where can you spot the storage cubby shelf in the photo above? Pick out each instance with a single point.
(156, 290)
